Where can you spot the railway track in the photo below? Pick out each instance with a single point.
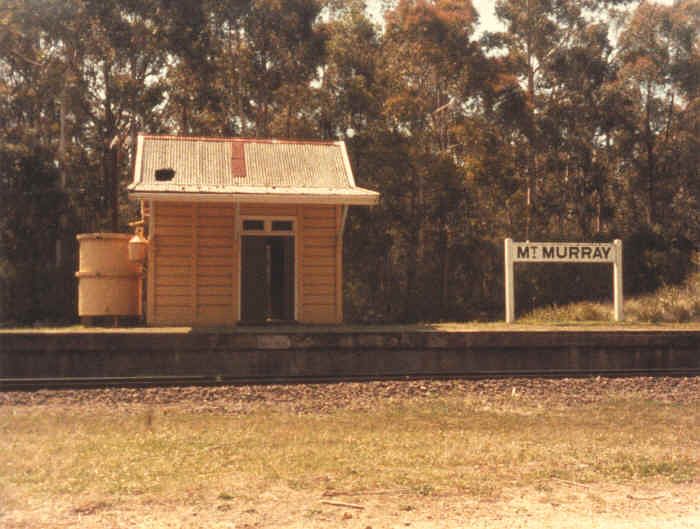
(34, 384)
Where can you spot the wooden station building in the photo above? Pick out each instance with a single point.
(244, 230)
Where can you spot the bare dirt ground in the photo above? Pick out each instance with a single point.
(561, 506)
(549, 503)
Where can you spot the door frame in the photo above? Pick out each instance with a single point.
(267, 232)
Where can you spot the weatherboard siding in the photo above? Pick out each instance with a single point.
(194, 271)
(215, 267)
(171, 292)
(193, 265)
(269, 210)
(320, 245)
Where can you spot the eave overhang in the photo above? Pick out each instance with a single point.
(369, 198)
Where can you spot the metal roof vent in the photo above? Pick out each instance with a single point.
(165, 175)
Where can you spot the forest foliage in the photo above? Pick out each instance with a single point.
(580, 121)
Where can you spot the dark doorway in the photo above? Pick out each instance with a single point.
(267, 279)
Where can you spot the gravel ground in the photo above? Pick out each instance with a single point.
(319, 398)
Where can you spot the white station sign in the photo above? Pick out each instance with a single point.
(562, 252)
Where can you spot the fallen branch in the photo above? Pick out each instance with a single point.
(575, 483)
(342, 504)
(25, 58)
(378, 492)
(646, 498)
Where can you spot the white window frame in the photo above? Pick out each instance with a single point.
(267, 225)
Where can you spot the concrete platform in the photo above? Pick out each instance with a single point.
(245, 355)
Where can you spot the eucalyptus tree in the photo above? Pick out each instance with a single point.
(106, 65)
(348, 92)
(281, 53)
(426, 64)
(659, 58)
(201, 41)
(31, 201)
(539, 35)
(577, 122)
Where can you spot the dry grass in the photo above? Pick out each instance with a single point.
(585, 316)
(670, 304)
(434, 445)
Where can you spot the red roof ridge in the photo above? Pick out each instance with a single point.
(236, 139)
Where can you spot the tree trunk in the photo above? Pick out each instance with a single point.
(415, 251)
(444, 298)
(602, 185)
(184, 120)
(114, 195)
(651, 161)
(109, 156)
(62, 131)
(531, 157)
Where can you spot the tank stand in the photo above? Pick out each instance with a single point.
(102, 321)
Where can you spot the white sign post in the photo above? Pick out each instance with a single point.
(562, 252)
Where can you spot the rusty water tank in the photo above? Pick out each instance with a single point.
(109, 283)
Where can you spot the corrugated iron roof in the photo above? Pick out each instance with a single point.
(219, 165)
(295, 165)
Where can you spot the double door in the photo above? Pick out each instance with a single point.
(267, 278)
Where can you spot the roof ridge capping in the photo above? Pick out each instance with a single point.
(180, 137)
